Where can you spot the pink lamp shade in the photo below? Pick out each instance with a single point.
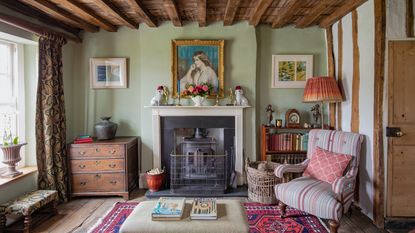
(322, 89)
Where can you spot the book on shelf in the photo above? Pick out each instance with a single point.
(204, 208)
(288, 142)
(168, 209)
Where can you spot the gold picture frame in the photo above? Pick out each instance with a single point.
(197, 61)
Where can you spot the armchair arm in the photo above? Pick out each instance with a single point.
(343, 186)
(292, 168)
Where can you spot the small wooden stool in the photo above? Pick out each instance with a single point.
(27, 205)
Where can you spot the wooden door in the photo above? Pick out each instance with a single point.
(401, 143)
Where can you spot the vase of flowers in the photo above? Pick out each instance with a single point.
(198, 93)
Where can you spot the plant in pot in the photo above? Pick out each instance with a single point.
(11, 155)
(198, 93)
(155, 178)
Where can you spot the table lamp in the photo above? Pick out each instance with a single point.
(322, 89)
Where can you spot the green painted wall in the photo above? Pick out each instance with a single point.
(288, 40)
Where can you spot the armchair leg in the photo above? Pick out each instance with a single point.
(334, 225)
(283, 208)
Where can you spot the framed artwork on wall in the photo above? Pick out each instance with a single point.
(291, 71)
(108, 73)
(196, 62)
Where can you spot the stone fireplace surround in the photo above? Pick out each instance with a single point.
(160, 112)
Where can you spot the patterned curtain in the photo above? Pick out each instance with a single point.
(50, 118)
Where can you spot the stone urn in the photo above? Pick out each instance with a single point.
(198, 100)
(11, 156)
(105, 129)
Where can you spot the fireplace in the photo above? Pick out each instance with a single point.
(221, 121)
(196, 168)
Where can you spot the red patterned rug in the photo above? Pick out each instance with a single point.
(261, 218)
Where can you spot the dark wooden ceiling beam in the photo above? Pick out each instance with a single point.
(61, 14)
(171, 9)
(108, 6)
(140, 9)
(343, 10)
(259, 10)
(86, 13)
(286, 13)
(230, 11)
(201, 13)
(35, 28)
(314, 13)
(39, 15)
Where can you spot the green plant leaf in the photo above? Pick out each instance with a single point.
(16, 140)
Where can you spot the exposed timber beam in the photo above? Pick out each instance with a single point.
(61, 14)
(230, 11)
(346, 8)
(409, 25)
(314, 13)
(171, 9)
(83, 11)
(39, 15)
(109, 6)
(287, 13)
(141, 10)
(35, 28)
(201, 13)
(259, 10)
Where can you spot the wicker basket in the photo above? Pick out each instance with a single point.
(261, 183)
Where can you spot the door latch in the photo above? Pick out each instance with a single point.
(394, 132)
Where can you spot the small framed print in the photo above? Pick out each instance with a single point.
(108, 73)
(291, 71)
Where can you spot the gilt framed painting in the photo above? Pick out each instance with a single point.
(108, 73)
(291, 71)
(196, 62)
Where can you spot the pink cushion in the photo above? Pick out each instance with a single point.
(327, 166)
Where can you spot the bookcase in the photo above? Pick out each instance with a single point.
(284, 145)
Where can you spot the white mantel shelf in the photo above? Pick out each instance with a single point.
(235, 111)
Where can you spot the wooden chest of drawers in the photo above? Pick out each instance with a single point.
(107, 167)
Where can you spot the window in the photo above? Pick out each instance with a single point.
(9, 96)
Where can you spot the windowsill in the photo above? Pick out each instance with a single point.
(26, 171)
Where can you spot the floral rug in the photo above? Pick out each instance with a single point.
(261, 218)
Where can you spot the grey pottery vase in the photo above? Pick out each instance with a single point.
(11, 157)
(105, 129)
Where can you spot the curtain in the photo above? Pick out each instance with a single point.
(50, 118)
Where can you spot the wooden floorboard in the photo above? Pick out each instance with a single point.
(80, 214)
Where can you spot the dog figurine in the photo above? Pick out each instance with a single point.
(158, 97)
(241, 100)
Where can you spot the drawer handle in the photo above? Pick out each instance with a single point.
(96, 149)
(112, 165)
(97, 162)
(98, 176)
(112, 151)
(113, 182)
(81, 165)
(82, 152)
(83, 183)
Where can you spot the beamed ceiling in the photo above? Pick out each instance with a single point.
(72, 16)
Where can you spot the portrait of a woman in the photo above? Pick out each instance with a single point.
(201, 71)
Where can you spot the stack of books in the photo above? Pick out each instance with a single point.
(168, 209)
(83, 139)
(204, 208)
(288, 142)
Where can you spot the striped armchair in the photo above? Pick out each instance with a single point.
(328, 201)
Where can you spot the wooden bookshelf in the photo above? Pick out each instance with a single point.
(281, 156)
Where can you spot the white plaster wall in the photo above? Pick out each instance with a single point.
(366, 95)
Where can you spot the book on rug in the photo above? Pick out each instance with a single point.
(204, 208)
(168, 209)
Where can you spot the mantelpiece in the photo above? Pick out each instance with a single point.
(165, 111)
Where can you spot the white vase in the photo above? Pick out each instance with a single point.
(11, 157)
(198, 100)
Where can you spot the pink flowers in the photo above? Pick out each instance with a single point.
(203, 89)
(238, 88)
(160, 88)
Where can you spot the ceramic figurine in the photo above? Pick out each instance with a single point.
(241, 100)
(269, 112)
(158, 97)
(316, 114)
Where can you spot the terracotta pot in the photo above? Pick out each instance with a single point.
(154, 182)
